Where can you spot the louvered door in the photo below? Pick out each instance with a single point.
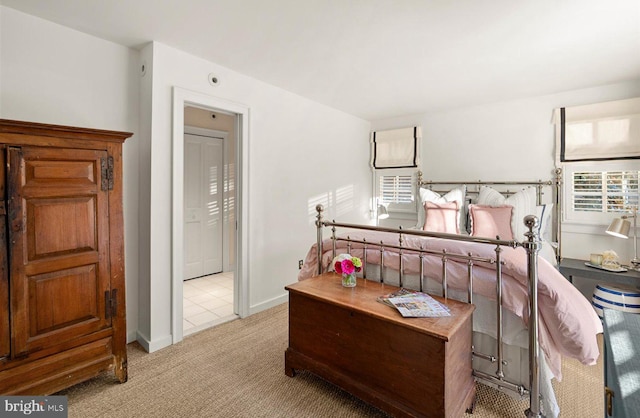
(59, 233)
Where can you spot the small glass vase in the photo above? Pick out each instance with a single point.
(349, 280)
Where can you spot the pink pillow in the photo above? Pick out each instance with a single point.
(491, 221)
(441, 217)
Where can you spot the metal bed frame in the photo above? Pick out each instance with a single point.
(531, 244)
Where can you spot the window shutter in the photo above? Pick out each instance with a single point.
(396, 148)
(621, 190)
(587, 192)
(605, 191)
(396, 189)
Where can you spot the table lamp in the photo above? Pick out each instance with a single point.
(619, 227)
(382, 212)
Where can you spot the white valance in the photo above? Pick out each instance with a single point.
(601, 131)
(396, 148)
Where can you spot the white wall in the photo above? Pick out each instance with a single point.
(294, 146)
(510, 141)
(51, 74)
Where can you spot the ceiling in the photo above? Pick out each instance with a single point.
(383, 58)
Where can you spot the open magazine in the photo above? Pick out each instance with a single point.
(411, 304)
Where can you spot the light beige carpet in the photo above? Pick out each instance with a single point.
(237, 370)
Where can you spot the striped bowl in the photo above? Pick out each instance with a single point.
(619, 297)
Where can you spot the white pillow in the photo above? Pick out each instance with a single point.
(455, 195)
(544, 214)
(548, 253)
(523, 202)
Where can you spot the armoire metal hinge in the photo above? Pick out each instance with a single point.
(110, 303)
(106, 173)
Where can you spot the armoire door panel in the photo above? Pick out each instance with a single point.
(59, 224)
(47, 172)
(57, 174)
(48, 237)
(51, 264)
(63, 298)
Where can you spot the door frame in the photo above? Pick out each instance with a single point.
(223, 135)
(182, 98)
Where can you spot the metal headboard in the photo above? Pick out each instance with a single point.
(473, 188)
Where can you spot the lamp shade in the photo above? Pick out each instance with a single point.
(382, 212)
(619, 228)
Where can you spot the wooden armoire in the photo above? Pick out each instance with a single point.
(62, 287)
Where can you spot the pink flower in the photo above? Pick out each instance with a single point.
(346, 264)
(347, 267)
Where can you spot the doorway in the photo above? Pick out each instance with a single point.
(209, 194)
(234, 212)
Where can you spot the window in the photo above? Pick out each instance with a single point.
(395, 155)
(595, 192)
(395, 188)
(604, 191)
(598, 146)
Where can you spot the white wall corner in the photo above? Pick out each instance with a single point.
(132, 336)
(151, 346)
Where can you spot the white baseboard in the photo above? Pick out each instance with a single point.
(151, 346)
(269, 303)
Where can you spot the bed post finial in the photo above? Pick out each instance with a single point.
(531, 222)
(319, 210)
(532, 245)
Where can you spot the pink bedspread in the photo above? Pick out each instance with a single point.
(568, 323)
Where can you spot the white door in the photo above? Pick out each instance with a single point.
(203, 181)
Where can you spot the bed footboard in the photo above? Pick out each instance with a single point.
(531, 245)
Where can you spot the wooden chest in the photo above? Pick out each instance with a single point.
(404, 366)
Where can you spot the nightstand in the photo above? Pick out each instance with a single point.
(572, 269)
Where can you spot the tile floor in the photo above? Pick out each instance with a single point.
(208, 301)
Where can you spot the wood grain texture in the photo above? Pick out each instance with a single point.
(405, 366)
(63, 265)
(59, 370)
(63, 225)
(5, 335)
(116, 262)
